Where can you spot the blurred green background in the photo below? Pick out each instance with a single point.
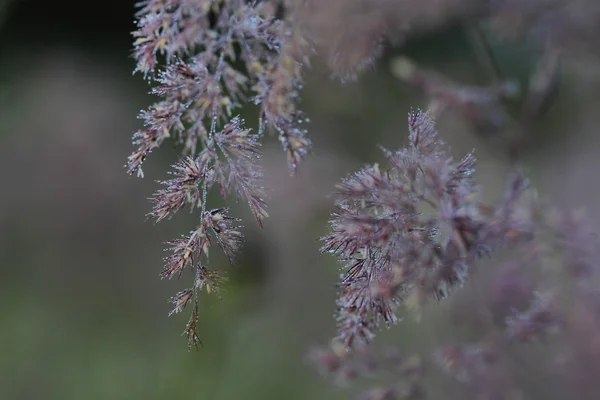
(83, 313)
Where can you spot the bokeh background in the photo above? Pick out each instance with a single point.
(83, 313)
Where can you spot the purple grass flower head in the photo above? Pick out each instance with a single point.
(409, 231)
(205, 59)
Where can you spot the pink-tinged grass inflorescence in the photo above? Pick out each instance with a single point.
(206, 58)
(410, 230)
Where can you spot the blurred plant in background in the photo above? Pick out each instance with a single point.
(414, 230)
(397, 254)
